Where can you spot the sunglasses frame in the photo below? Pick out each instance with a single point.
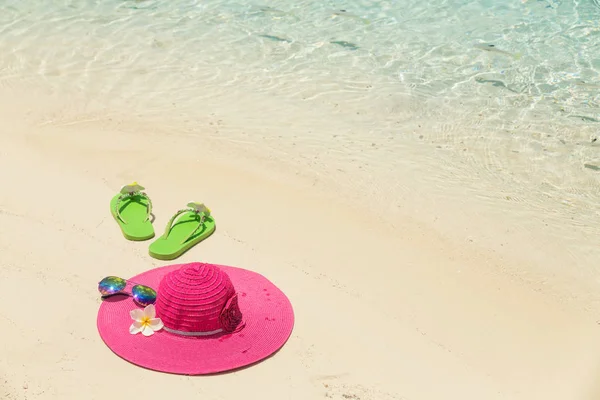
(125, 292)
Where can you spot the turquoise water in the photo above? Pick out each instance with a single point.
(544, 63)
(515, 83)
(545, 57)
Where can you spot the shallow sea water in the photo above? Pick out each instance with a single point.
(508, 90)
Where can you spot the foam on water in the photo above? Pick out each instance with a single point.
(509, 89)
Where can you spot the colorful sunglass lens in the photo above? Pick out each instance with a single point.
(143, 295)
(111, 285)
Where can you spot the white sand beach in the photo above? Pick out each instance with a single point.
(388, 305)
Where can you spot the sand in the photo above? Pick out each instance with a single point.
(387, 307)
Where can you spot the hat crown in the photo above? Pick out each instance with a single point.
(198, 298)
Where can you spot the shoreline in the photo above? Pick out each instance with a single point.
(414, 303)
(535, 239)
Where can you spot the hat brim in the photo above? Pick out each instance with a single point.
(266, 310)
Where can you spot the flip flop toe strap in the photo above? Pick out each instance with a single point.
(201, 214)
(130, 196)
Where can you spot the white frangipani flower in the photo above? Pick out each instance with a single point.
(144, 321)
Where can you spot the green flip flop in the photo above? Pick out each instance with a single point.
(194, 225)
(131, 208)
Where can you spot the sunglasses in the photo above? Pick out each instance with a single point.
(142, 295)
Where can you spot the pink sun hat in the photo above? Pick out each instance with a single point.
(207, 319)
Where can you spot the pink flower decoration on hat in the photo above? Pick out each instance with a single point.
(144, 321)
(231, 316)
